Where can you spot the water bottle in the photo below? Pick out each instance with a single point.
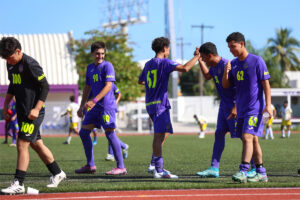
(266, 117)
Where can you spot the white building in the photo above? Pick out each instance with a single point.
(54, 54)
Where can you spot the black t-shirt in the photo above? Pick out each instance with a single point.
(26, 83)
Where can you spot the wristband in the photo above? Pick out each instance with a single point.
(95, 100)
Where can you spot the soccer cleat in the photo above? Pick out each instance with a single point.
(110, 157)
(258, 178)
(14, 188)
(251, 173)
(239, 177)
(151, 169)
(66, 142)
(55, 180)
(86, 170)
(164, 174)
(12, 145)
(201, 135)
(95, 143)
(117, 171)
(211, 172)
(125, 151)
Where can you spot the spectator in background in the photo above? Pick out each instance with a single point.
(286, 114)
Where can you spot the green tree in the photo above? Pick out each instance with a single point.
(284, 48)
(278, 78)
(118, 53)
(189, 84)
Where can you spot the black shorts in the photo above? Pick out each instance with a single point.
(30, 129)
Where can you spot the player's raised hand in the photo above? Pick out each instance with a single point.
(197, 53)
(227, 67)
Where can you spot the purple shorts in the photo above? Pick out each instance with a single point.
(100, 118)
(14, 125)
(225, 125)
(162, 122)
(251, 124)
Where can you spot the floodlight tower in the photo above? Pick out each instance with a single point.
(170, 33)
(122, 13)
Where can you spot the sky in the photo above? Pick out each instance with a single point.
(256, 19)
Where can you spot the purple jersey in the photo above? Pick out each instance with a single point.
(227, 95)
(247, 76)
(96, 77)
(156, 76)
(115, 89)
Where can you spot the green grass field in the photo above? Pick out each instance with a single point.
(184, 155)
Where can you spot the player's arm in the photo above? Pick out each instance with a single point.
(267, 91)
(85, 95)
(187, 66)
(274, 113)
(233, 113)
(141, 82)
(40, 79)
(7, 100)
(103, 92)
(225, 78)
(119, 95)
(204, 69)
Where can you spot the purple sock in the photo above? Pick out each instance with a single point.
(110, 150)
(14, 137)
(260, 169)
(122, 144)
(88, 146)
(252, 163)
(114, 142)
(159, 164)
(219, 146)
(152, 160)
(244, 168)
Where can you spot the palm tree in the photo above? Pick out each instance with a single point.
(284, 48)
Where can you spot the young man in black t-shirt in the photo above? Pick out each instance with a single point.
(30, 87)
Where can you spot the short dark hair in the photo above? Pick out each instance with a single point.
(285, 102)
(72, 98)
(98, 45)
(8, 46)
(158, 44)
(236, 36)
(208, 48)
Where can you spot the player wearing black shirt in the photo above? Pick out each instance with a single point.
(30, 87)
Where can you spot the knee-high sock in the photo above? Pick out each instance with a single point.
(113, 140)
(14, 137)
(271, 133)
(122, 144)
(159, 164)
(267, 133)
(252, 163)
(288, 133)
(152, 163)
(87, 145)
(219, 146)
(282, 133)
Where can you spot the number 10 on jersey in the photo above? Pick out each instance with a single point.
(152, 82)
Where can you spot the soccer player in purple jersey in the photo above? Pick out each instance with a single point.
(249, 74)
(227, 111)
(100, 76)
(14, 123)
(155, 77)
(125, 147)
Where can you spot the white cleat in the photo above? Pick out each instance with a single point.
(55, 180)
(151, 169)
(164, 174)
(14, 188)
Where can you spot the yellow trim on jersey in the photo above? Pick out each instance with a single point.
(153, 102)
(41, 77)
